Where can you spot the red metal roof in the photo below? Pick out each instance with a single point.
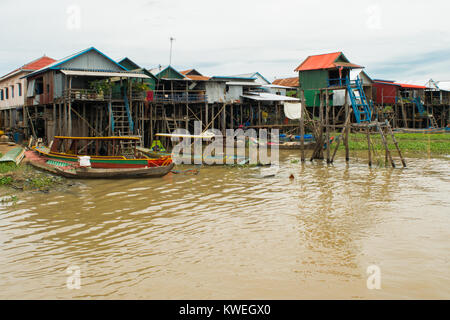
(38, 64)
(287, 82)
(410, 86)
(198, 78)
(324, 61)
(31, 66)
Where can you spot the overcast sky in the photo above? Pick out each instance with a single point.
(398, 40)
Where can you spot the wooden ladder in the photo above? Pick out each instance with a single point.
(433, 122)
(384, 141)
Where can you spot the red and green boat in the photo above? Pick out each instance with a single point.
(98, 158)
(114, 152)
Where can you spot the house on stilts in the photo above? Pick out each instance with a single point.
(12, 96)
(84, 94)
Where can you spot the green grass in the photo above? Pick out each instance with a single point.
(419, 142)
(25, 178)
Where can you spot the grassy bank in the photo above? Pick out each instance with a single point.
(415, 142)
(24, 177)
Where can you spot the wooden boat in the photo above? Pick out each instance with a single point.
(104, 152)
(212, 159)
(289, 145)
(71, 170)
(119, 158)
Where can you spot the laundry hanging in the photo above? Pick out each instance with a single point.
(292, 111)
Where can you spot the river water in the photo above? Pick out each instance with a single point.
(227, 233)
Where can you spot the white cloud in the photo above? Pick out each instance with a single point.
(230, 37)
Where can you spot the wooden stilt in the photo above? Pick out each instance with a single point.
(302, 125)
(327, 124)
(368, 145)
(347, 127)
(387, 152)
(396, 144)
(339, 138)
(321, 142)
(70, 109)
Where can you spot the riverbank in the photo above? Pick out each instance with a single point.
(25, 178)
(438, 144)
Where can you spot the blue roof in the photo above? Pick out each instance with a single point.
(56, 65)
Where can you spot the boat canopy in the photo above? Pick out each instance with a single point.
(100, 138)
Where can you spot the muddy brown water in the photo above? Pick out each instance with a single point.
(226, 233)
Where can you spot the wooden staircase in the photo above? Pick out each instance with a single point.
(433, 122)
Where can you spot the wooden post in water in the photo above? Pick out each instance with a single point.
(368, 145)
(54, 120)
(340, 137)
(70, 108)
(224, 121)
(302, 125)
(396, 144)
(347, 127)
(327, 124)
(320, 154)
(387, 152)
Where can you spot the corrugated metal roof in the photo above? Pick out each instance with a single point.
(444, 85)
(268, 97)
(31, 66)
(425, 83)
(276, 86)
(288, 82)
(410, 86)
(324, 61)
(105, 74)
(251, 75)
(321, 61)
(242, 83)
(198, 78)
(347, 65)
(56, 64)
(224, 78)
(157, 71)
(363, 75)
(38, 63)
(386, 83)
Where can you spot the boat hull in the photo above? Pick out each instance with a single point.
(71, 171)
(98, 162)
(127, 173)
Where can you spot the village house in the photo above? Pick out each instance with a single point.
(12, 94)
(84, 94)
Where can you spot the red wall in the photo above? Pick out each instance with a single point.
(387, 91)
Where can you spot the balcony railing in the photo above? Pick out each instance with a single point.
(94, 95)
(337, 82)
(180, 96)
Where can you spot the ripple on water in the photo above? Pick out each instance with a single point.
(225, 233)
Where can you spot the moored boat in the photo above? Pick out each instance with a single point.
(104, 152)
(98, 157)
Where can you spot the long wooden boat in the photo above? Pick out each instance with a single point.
(105, 157)
(104, 152)
(69, 169)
